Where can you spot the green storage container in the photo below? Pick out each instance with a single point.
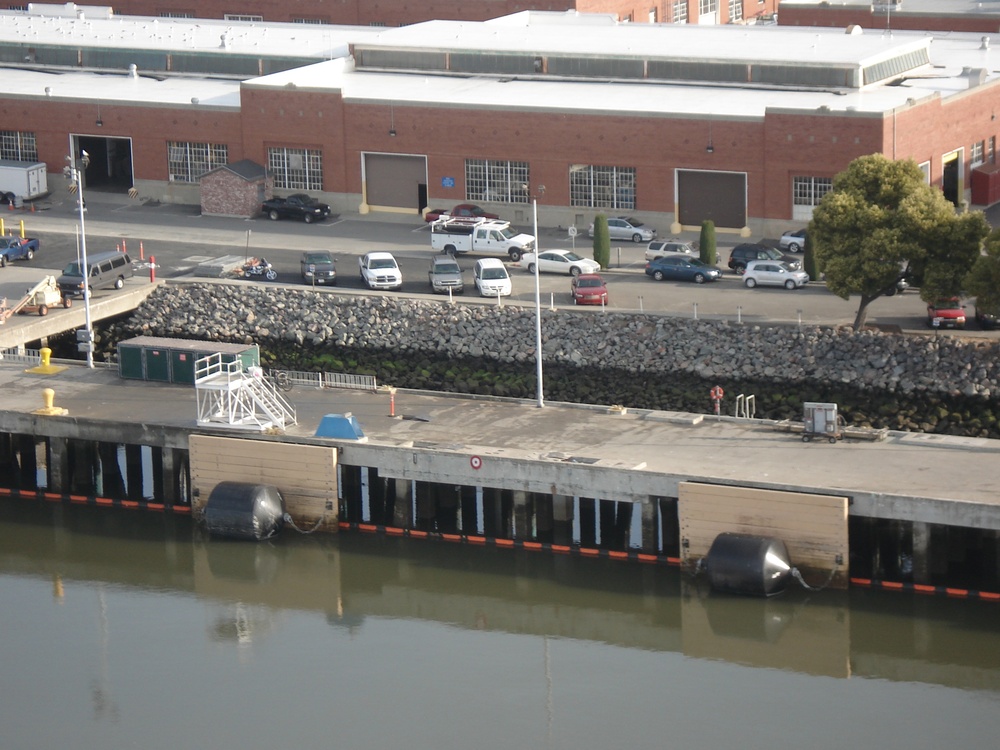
(167, 360)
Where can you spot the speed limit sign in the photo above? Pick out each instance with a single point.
(476, 463)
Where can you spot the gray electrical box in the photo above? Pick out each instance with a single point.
(821, 421)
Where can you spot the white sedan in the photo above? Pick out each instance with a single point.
(559, 261)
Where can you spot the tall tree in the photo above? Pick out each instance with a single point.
(882, 222)
(983, 281)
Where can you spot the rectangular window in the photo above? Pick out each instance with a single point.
(976, 153)
(735, 11)
(925, 167)
(296, 168)
(18, 145)
(706, 7)
(500, 181)
(189, 161)
(809, 191)
(680, 11)
(176, 14)
(602, 187)
(242, 17)
(315, 21)
(652, 15)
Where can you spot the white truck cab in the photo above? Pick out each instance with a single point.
(463, 235)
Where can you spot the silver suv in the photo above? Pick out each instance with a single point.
(445, 274)
(662, 248)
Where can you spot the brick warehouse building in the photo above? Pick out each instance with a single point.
(401, 13)
(675, 124)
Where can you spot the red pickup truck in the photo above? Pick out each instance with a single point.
(462, 209)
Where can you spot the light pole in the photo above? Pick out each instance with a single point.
(538, 305)
(87, 344)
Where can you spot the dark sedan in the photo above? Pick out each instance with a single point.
(682, 268)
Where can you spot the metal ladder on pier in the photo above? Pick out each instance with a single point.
(229, 396)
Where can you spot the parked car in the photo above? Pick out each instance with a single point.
(559, 261)
(318, 267)
(589, 289)
(445, 274)
(748, 251)
(660, 248)
(492, 279)
(773, 273)
(297, 206)
(682, 268)
(627, 228)
(464, 210)
(794, 240)
(380, 271)
(948, 312)
(986, 320)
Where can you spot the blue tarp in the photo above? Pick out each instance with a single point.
(341, 427)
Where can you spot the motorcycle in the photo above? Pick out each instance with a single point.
(256, 268)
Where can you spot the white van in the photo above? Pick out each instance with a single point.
(491, 277)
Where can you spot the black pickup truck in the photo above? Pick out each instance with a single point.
(298, 206)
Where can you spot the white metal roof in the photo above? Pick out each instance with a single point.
(175, 34)
(950, 53)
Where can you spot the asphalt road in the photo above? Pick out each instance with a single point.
(180, 237)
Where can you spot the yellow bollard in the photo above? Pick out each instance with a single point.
(2, 228)
(50, 410)
(22, 229)
(45, 366)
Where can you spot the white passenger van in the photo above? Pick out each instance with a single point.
(491, 277)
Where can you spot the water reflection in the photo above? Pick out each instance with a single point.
(428, 622)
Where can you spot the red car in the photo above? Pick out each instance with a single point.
(464, 210)
(589, 289)
(946, 313)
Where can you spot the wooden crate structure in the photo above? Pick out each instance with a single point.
(306, 475)
(813, 527)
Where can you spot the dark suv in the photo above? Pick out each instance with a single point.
(748, 251)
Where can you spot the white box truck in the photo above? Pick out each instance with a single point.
(463, 235)
(23, 180)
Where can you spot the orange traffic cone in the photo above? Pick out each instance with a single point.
(32, 208)
(141, 252)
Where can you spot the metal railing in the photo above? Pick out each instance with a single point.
(746, 406)
(33, 357)
(327, 379)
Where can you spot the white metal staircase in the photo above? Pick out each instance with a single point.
(229, 396)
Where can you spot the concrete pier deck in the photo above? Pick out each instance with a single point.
(559, 448)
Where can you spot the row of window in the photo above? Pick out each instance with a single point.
(292, 168)
(486, 180)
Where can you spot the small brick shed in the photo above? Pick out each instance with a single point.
(235, 189)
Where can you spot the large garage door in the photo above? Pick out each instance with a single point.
(717, 196)
(393, 181)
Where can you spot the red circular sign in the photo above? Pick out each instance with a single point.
(716, 393)
(476, 463)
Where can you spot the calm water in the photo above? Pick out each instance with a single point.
(128, 630)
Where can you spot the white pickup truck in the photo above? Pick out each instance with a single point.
(462, 235)
(380, 271)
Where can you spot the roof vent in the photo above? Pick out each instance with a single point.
(133, 71)
(854, 30)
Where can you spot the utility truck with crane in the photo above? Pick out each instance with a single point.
(465, 235)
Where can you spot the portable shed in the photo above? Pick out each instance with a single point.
(167, 360)
(235, 189)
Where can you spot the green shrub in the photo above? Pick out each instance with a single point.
(602, 241)
(706, 243)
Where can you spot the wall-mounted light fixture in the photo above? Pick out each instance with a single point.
(710, 148)
(100, 122)
(392, 122)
